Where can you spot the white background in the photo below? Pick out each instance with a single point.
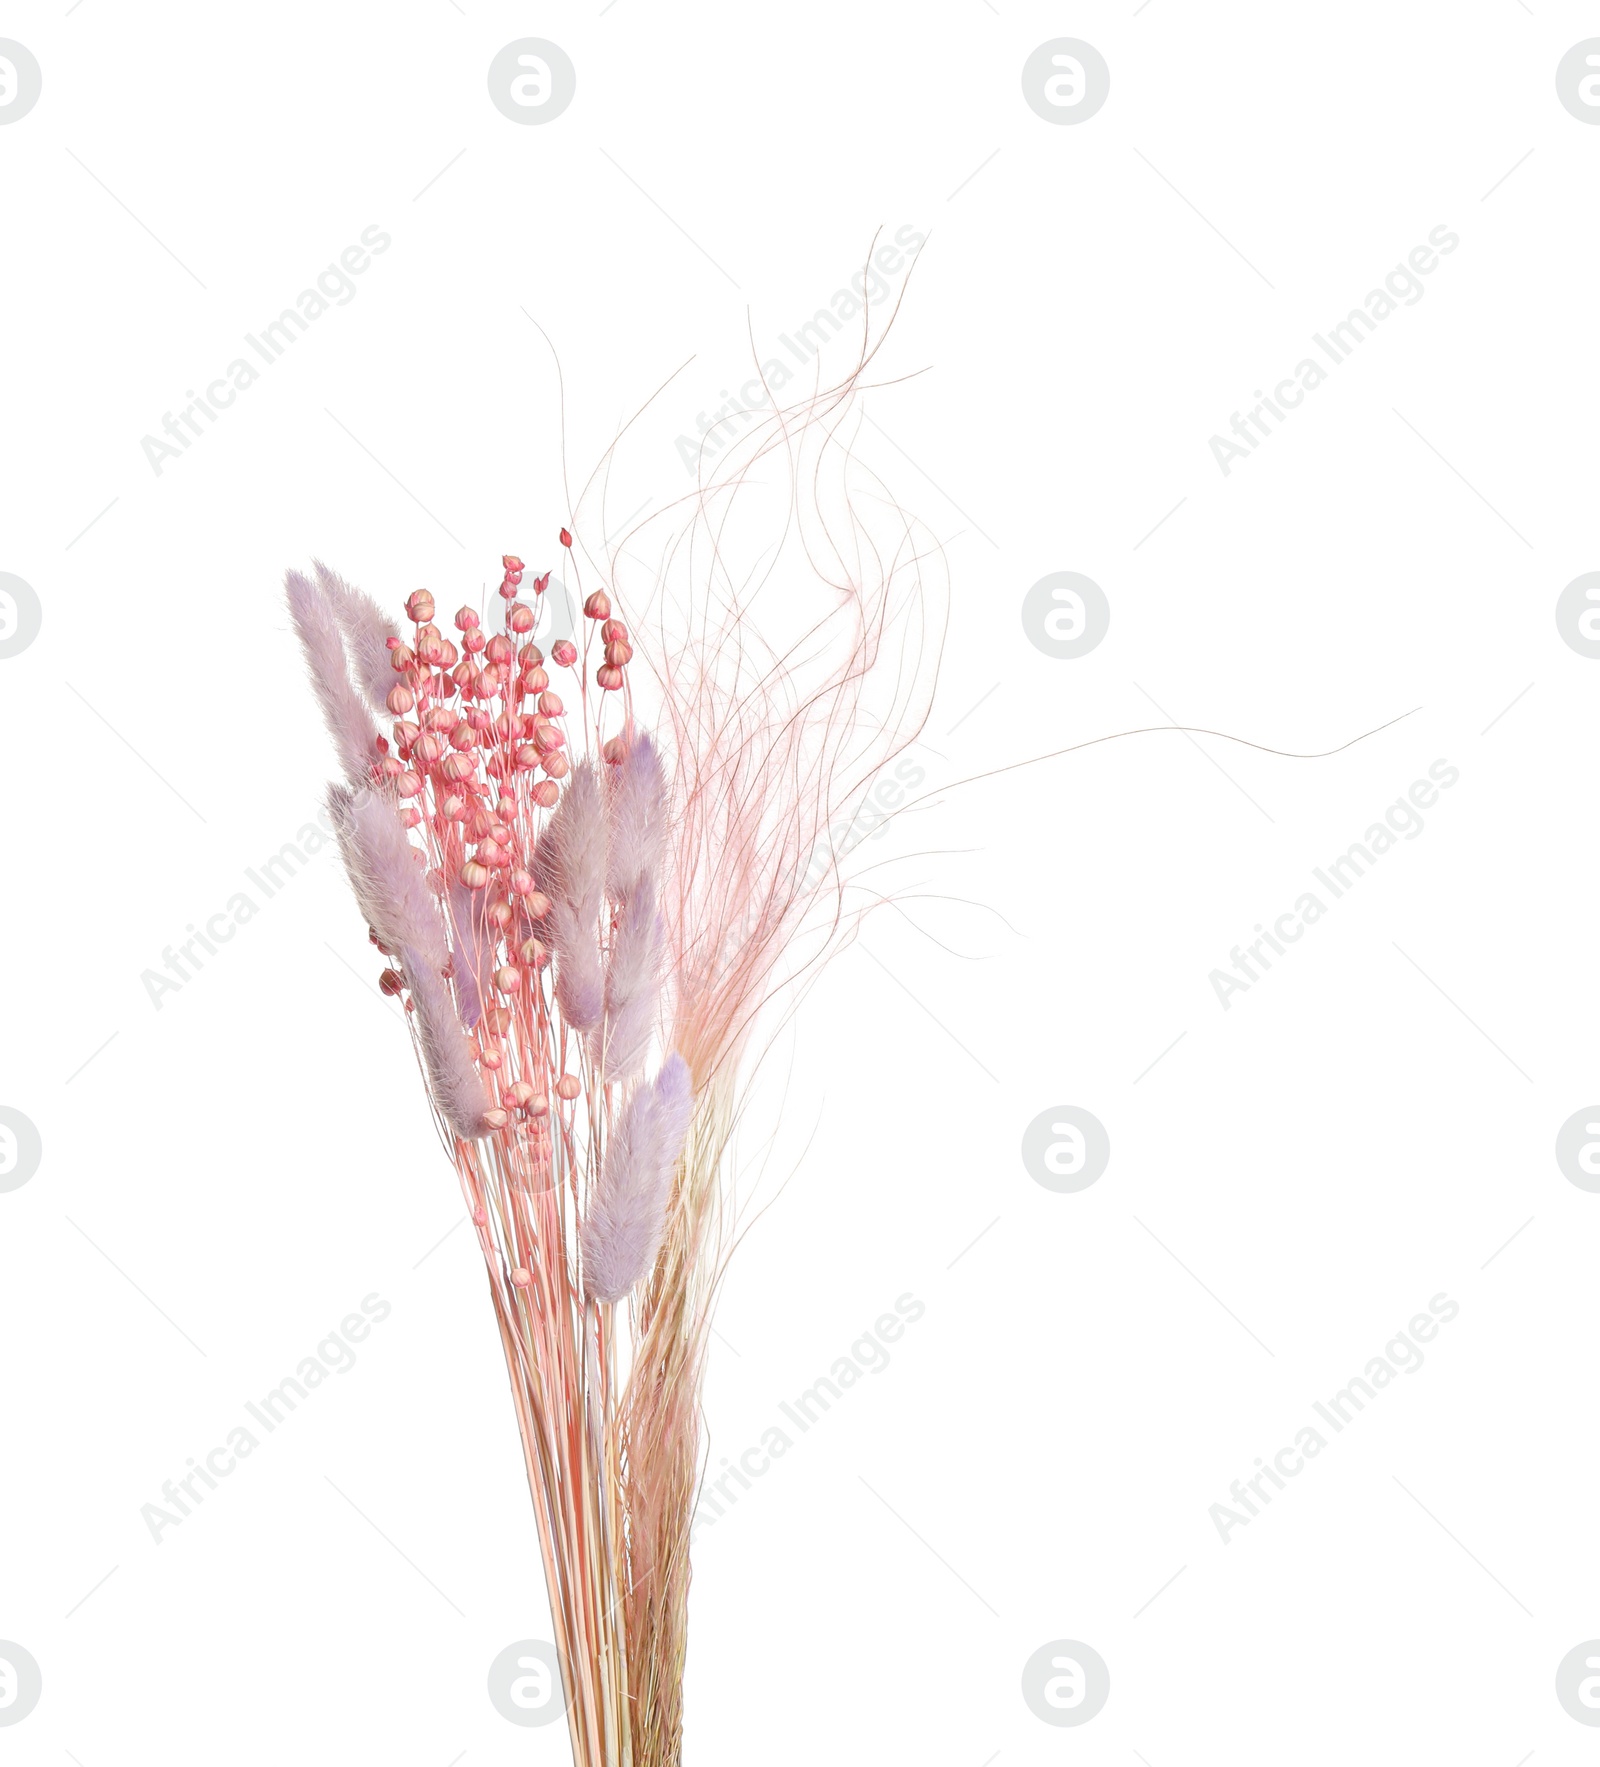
(1291, 1181)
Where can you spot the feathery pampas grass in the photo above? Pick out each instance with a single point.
(533, 870)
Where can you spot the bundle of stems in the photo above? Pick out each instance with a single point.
(595, 931)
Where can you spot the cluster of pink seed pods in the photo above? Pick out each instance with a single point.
(478, 755)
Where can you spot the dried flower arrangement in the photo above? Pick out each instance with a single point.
(593, 929)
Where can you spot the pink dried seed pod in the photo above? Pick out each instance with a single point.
(474, 875)
(457, 767)
(406, 733)
(462, 735)
(480, 1216)
(432, 651)
(535, 680)
(466, 619)
(609, 676)
(507, 979)
(449, 656)
(536, 904)
(539, 1107)
(598, 605)
(495, 1119)
(613, 629)
(522, 883)
(498, 765)
(453, 808)
(521, 1277)
(565, 652)
(526, 758)
(462, 674)
(402, 657)
(408, 784)
(518, 1095)
(419, 604)
(479, 823)
(544, 794)
(439, 718)
(391, 982)
(556, 765)
(400, 700)
(533, 953)
(615, 750)
(530, 656)
(521, 618)
(550, 704)
(547, 739)
(499, 649)
(497, 1019)
(411, 816)
(427, 748)
(473, 643)
(619, 651)
(568, 1086)
(491, 1059)
(479, 719)
(501, 913)
(490, 853)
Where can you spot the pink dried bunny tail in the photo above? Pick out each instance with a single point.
(572, 862)
(447, 1056)
(627, 1210)
(368, 632)
(636, 820)
(388, 882)
(472, 949)
(620, 1042)
(636, 805)
(350, 724)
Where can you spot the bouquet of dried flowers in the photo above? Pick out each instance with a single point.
(586, 923)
